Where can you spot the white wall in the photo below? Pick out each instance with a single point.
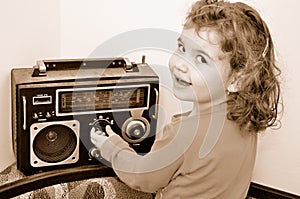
(29, 31)
(86, 24)
(34, 29)
(278, 161)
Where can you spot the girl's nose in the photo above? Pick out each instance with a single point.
(180, 64)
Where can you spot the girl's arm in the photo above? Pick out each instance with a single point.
(147, 173)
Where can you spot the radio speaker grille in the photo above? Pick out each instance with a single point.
(54, 143)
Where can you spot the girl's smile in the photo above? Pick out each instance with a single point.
(181, 82)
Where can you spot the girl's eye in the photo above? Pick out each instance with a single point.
(201, 59)
(181, 48)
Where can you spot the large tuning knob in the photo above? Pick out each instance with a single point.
(98, 126)
(135, 130)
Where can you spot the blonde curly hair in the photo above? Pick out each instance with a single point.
(253, 105)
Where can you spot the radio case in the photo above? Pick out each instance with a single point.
(58, 103)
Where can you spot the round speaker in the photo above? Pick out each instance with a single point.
(54, 143)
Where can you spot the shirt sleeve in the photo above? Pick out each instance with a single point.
(147, 173)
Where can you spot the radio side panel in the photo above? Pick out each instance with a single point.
(18, 135)
(14, 110)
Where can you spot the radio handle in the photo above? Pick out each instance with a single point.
(42, 66)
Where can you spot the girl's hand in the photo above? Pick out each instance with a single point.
(99, 137)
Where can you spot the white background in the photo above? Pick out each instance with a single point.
(34, 29)
(30, 30)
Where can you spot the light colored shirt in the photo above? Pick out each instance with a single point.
(205, 156)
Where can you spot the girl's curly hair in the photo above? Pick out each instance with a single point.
(246, 37)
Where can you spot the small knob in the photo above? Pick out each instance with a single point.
(94, 153)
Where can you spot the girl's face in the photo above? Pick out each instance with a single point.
(199, 68)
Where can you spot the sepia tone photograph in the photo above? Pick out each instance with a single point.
(190, 99)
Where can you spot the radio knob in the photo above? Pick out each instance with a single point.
(94, 153)
(135, 129)
(98, 126)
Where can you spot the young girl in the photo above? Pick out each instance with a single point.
(225, 65)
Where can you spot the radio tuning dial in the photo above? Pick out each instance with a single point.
(135, 130)
(98, 126)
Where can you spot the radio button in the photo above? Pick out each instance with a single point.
(48, 115)
(35, 116)
(40, 114)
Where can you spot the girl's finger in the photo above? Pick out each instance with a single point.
(109, 131)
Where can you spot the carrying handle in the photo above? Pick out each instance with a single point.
(42, 66)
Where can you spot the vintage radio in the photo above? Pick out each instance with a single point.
(57, 103)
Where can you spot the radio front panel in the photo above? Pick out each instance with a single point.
(52, 121)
